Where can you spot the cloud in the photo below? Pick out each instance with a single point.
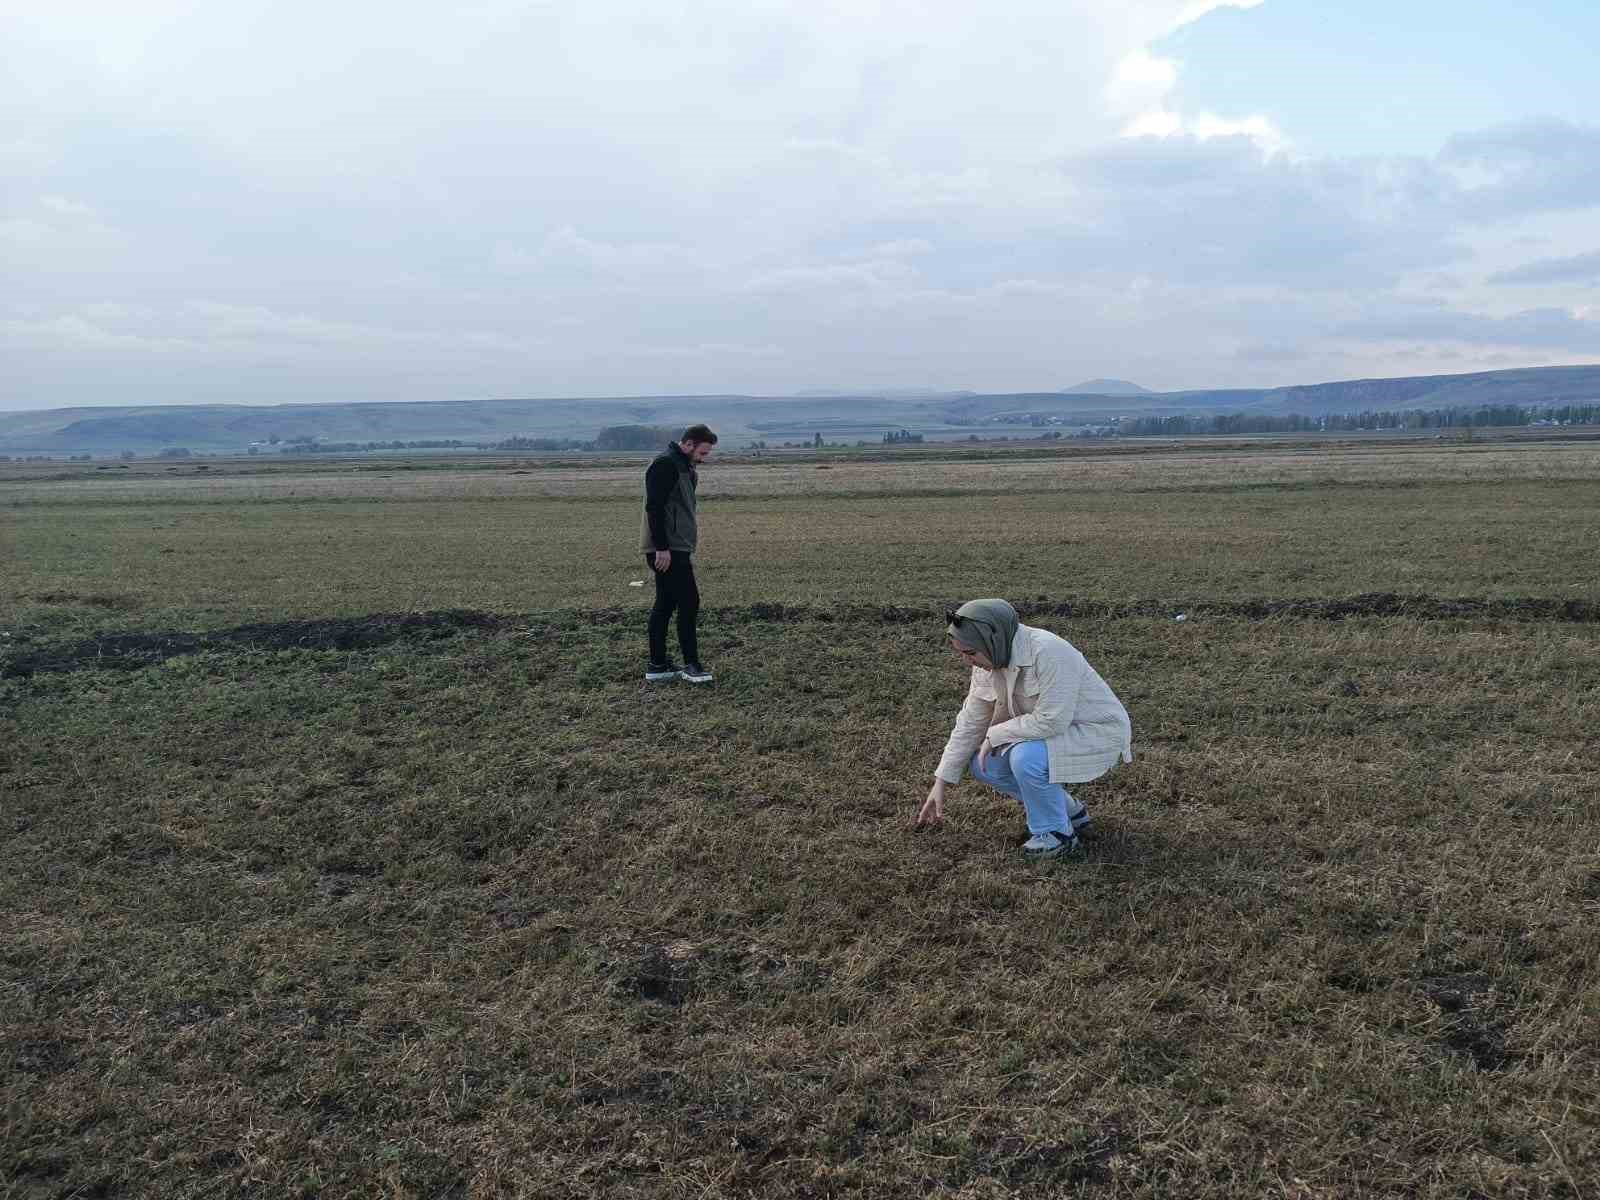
(1218, 211)
(1142, 82)
(570, 258)
(1204, 126)
(1528, 166)
(76, 333)
(1579, 268)
(1542, 328)
(54, 226)
(704, 353)
(1198, 8)
(219, 331)
(1271, 353)
(366, 201)
(1139, 95)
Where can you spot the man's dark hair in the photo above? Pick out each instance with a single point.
(696, 434)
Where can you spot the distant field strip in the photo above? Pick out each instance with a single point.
(1078, 471)
(81, 568)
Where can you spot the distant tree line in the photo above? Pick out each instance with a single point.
(634, 437)
(614, 437)
(539, 444)
(306, 445)
(900, 436)
(1457, 417)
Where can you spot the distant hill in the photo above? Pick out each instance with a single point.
(903, 393)
(1106, 387)
(740, 420)
(234, 428)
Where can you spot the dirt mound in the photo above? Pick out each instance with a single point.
(1314, 608)
(135, 650)
(1469, 1026)
(130, 651)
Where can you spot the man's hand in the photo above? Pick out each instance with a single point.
(932, 811)
(663, 560)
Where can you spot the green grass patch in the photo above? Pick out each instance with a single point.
(483, 915)
(343, 851)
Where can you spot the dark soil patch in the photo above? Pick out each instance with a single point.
(1467, 1029)
(1087, 1161)
(670, 975)
(111, 603)
(130, 651)
(42, 1056)
(657, 976)
(1454, 993)
(1355, 979)
(1326, 608)
(651, 1086)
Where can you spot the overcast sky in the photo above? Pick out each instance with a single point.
(254, 201)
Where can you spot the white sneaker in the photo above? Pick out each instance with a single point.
(1051, 845)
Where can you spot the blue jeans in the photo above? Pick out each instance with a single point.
(1023, 771)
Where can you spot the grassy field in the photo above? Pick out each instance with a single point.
(342, 852)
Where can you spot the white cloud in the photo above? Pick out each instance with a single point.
(566, 249)
(903, 248)
(706, 353)
(55, 226)
(1558, 329)
(74, 332)
(620, 196)
(220, 331)
(1141, 89)
(1543, 165)
(1194, 11)
(1204, 126)
(1577, 268)
(1141, 83)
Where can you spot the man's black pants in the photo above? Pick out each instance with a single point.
(675, 589)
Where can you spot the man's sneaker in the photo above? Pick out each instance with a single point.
(695, 673)
(660, 672)
(1081, 818)
(1051, 845)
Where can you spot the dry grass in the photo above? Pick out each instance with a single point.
(469, 912)
(205, 565)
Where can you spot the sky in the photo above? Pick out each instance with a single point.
(279, 201)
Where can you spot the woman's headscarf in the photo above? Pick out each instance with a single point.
(986, 625)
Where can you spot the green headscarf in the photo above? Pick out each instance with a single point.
(986, 625)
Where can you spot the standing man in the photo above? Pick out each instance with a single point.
(670, 535)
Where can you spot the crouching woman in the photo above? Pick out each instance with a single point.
(1037, 716)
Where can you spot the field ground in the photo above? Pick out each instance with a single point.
(342, 852)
